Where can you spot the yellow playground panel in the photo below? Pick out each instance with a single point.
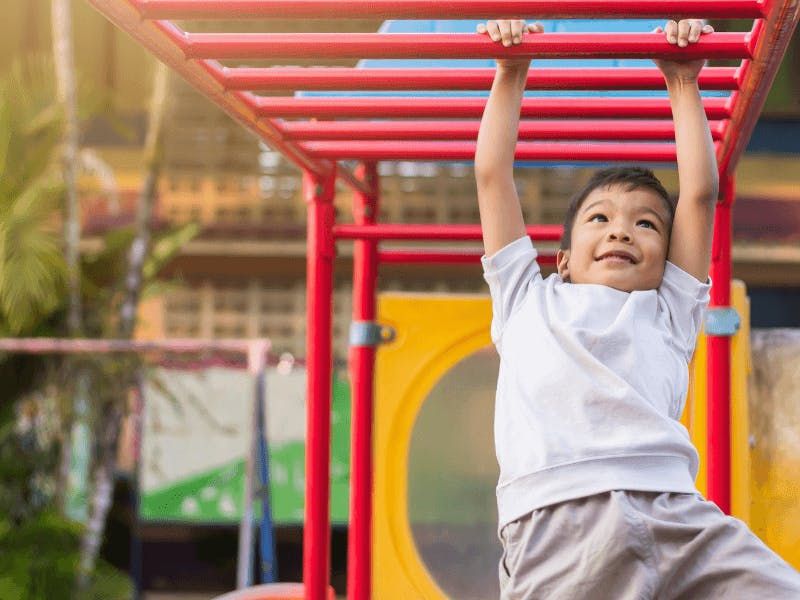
(435, 470)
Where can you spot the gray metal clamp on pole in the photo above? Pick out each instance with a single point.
(370, 333)
(722, 321)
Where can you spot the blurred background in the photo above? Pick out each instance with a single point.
(137, 209)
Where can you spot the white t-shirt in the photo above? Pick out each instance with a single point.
(592, 383)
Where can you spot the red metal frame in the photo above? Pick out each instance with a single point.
(567, 152)
(340, 78)
(585, 129)
(445, 9)
(318, 192)
(719, 364)
(453, 45)
(472, 108)
(597, 129)
(362, 361)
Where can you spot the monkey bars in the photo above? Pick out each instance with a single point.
(316, 133)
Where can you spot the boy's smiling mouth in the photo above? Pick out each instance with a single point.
(617, 256)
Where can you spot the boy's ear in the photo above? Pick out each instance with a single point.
(562, 264)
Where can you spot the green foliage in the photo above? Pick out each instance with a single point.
(39, 549)
(32, 269)
(104, 272)
(39, 559)
(166, 246)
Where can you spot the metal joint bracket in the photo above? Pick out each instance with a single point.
(370, 333)
(722, 321)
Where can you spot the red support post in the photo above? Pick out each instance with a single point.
(318, 193)
(362, 364)
(719, 356)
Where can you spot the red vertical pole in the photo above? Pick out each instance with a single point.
(362, 362)
(318, 193)
(719, 356)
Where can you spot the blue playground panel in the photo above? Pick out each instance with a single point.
(554, 26)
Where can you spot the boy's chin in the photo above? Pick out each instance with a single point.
(622, 282)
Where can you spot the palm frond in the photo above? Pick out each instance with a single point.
(32, 269)
(166, 246)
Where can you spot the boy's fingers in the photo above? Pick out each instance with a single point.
(694, 31)
(516, 31)
(505, 32)
(494, 30)
(683, 32)
(708, 29)
(535, 28)
(671, 29)
(481, 28)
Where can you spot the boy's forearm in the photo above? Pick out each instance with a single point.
(697, 164)
(497, 137)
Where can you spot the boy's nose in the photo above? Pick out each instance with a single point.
(619, 234)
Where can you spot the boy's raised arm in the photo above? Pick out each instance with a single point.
(498, 202)
(692, 228)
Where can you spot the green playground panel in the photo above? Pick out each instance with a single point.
(216, 495)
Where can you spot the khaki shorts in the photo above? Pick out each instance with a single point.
(639, 545)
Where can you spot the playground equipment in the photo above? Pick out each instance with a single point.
(317, 141)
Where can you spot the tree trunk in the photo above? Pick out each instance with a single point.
(102, 490)
(64, 61)
(147, 195)
(65, 78)
(110, 420)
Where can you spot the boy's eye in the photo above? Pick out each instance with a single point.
(599, 217)
(646, 223)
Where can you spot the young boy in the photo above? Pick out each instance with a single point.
(596, 496)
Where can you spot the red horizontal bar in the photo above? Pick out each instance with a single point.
(452, 257)
(466, 108)
(340, 78)
(468, 130)
(656, 152)
(445, 9)
(385, 231)
(457, 45)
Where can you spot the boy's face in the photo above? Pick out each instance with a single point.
(619, 239)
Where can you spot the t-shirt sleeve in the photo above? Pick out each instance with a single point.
(686, 299)
(509, 272)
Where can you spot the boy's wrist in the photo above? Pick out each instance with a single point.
(681, 83)
(517, 70)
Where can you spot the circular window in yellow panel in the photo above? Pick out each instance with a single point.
(452, 474)
(434, 511)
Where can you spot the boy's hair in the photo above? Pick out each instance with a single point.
(633, 177)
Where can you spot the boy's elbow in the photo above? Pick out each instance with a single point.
(484, 169)
(704, 194)
(483, 177)
(489, 173)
